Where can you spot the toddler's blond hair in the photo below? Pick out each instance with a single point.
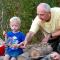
(17, 19)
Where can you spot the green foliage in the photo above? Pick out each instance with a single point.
(25, 9)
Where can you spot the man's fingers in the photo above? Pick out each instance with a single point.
(22, 47)
(21, 43)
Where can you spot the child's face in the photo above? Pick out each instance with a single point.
(14, 26)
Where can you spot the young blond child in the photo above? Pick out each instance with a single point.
(14, 38)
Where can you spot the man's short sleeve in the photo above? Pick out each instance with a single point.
(58, 24)
(35, 25)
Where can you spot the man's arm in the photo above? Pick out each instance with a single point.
(51, 35)
(33, 30)
(56, 33)
(29, 36)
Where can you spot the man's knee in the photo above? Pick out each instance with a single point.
(55, 56)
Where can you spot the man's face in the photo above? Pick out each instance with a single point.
(43, 15)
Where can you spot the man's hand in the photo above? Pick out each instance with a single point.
(23, 44)
(46, 38)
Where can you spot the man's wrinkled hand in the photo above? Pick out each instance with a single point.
(46, 38)
(23, 44)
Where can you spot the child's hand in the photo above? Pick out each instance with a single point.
(14, 45)
(46, 38)
(8, 44)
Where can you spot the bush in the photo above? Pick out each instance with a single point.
(25, 9)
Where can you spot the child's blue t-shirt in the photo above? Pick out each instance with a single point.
(14, 38)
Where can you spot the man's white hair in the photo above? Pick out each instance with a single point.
(17, 19)
(45, 6)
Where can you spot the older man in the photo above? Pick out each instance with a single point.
(48, 19)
